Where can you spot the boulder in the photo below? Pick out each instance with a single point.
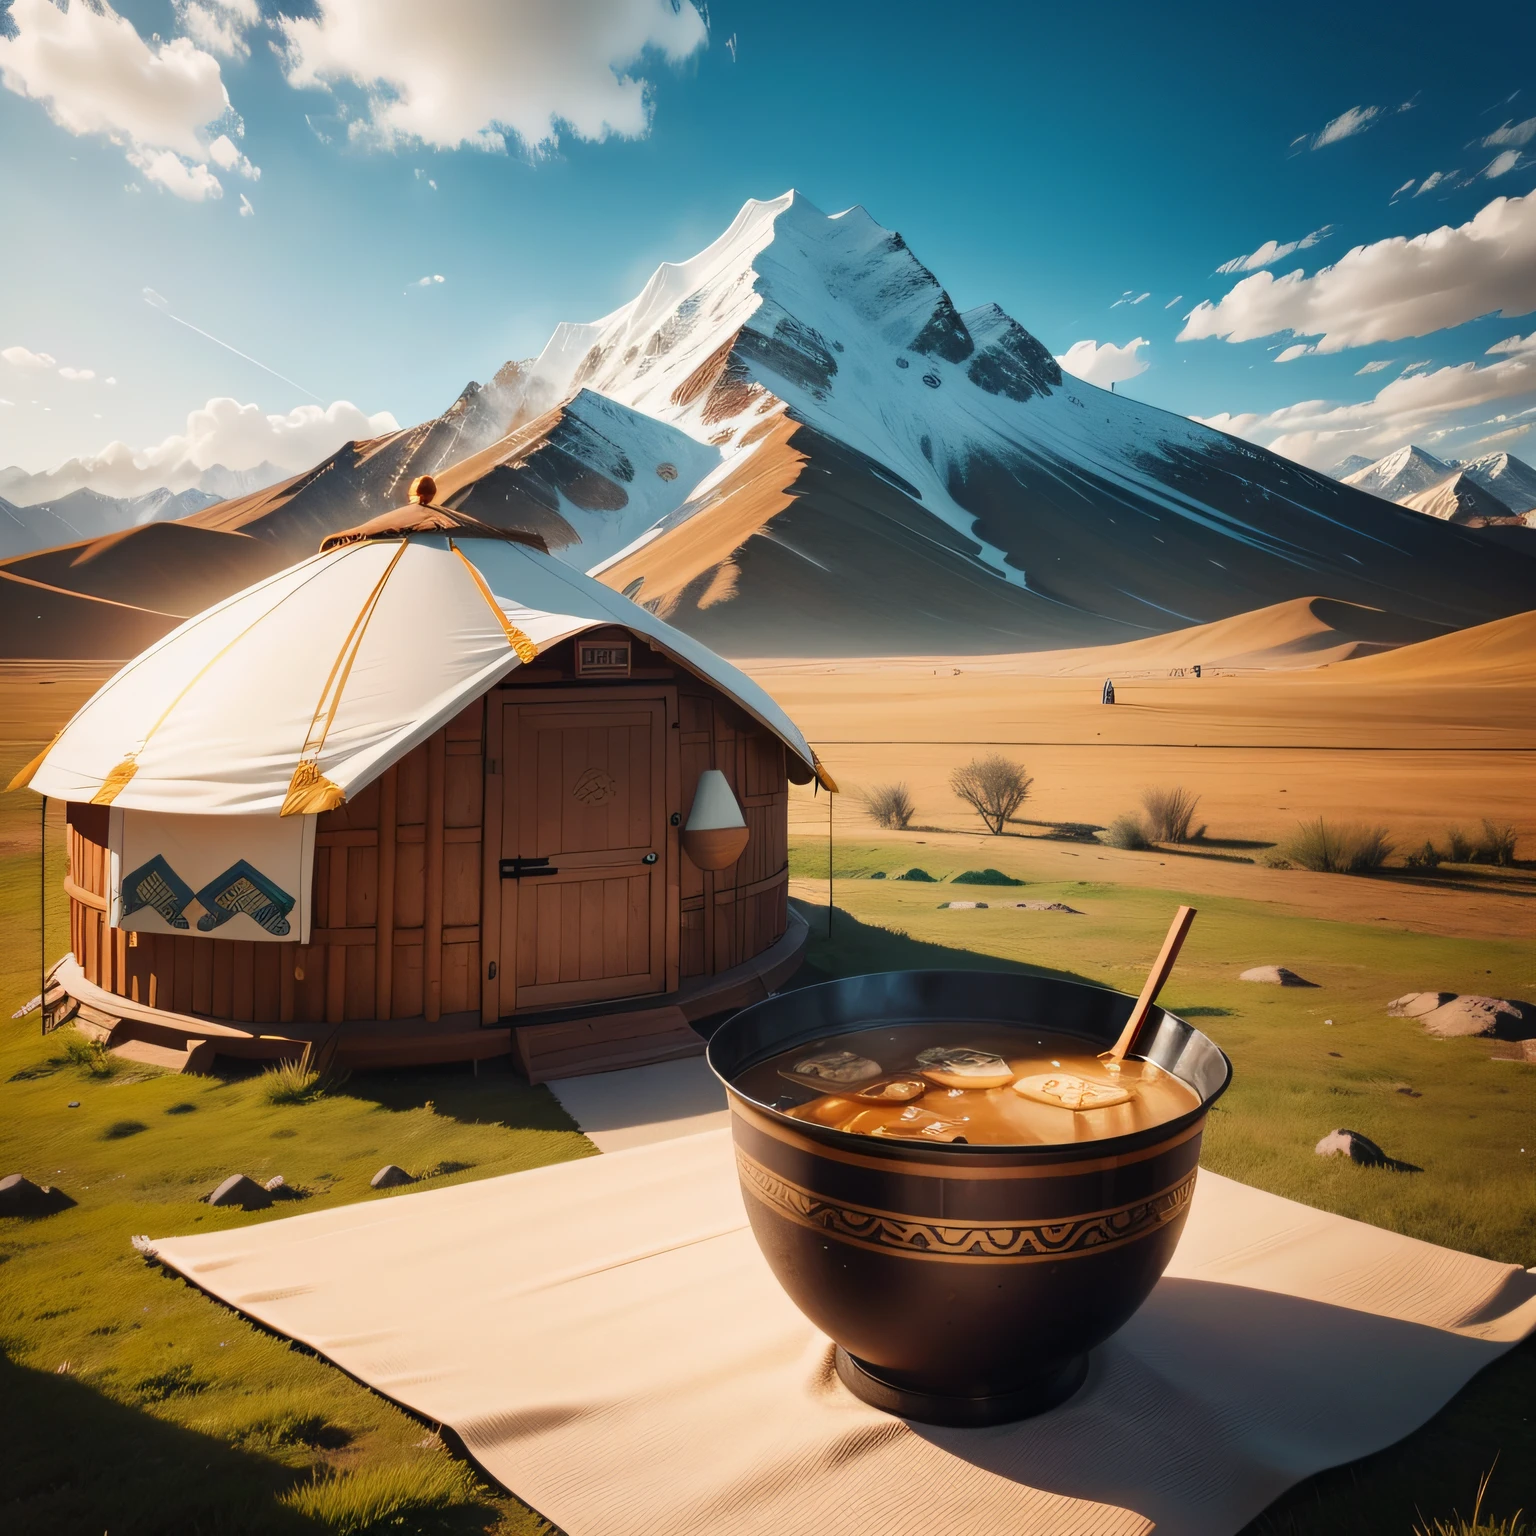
(1360, 1149)
(241, 1191)
(1411, 1004)
(19, 1196)
(390, 1176)
(963, 906)
(1471, 1015)
(1276, 976)
(1044, 906)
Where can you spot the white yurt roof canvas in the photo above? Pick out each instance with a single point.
(291, 695)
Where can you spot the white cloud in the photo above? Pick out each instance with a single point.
(1512, 133)
(1272, 251)
(1501, 163)
(31, 362)
(77, 375)
(219, 25)
(1320, 432)
(222, 432)
(1107, 364)
(1513, 345)
(109, 380)
(192, 183)
(1301, 349)
(1346, 125)
(1390, 290)
(472, 72)
(94, 74)
(246, 211)
(1130, 296)
(1405, 186)
(1174, 300)
(1432, 181)
(1375, 366)
(224, 154)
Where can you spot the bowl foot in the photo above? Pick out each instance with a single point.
(1033, 1396)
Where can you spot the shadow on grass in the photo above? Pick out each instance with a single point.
(857, 948)
(79, 1461)
(496, 1094)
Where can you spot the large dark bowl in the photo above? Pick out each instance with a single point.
(963, 1284)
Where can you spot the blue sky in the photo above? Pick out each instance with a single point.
(1053, 159)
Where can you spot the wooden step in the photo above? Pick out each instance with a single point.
(606, 1043)
(196, 1057)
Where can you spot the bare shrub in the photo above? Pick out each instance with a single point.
(994, 787)
(1125, 832)
(1458, 846)
(1496, 845)
(1337, 848)
(1169, 813)
(1428, 857)
(889, 805)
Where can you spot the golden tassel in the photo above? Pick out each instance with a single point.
(309, 791)
(24, 776)
(115, 782)
(527, 651)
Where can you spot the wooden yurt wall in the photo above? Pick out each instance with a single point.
(398, 877)
(396, 911)
(729, 915)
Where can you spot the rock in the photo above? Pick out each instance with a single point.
(275, 1183)
(390, 1176)
(19, 1196)
(1411, 1004)
(1360, 1149)
(1044, 906)
(1276, 976)
(241, 1191)
(1470, 1015)
(963, 906)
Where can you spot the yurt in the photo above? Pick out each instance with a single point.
(429, 795)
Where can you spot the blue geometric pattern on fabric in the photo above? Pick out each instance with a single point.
(157, 886)
(243, 888)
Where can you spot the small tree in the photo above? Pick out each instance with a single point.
(993, 787)
(1169, 813)
(889, 805)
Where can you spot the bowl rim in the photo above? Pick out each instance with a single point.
(949, 1153)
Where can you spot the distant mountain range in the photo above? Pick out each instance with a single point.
(39, 510)
(795, 444)
(1495, 492)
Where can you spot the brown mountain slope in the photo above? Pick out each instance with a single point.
(174, 568)
(38, 622)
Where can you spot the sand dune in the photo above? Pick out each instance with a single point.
(43, 622)
(1501, 652)
(1305, 632)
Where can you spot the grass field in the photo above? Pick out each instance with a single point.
(132, 1403)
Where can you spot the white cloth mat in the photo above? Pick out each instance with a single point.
(639, 1105)
(609, 1344)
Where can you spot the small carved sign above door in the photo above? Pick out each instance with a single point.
(602, 658)
(595, 787)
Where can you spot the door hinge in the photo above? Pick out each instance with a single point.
(524, 869)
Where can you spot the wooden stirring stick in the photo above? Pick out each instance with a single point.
(1177, 931)
(1066, 1090)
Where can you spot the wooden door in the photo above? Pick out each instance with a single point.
(585, 796)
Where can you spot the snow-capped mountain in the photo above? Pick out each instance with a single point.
(1400, 474)
(1346, 467)
(1458, 498)
(796, 443)
(1512, 480)
(86, 514)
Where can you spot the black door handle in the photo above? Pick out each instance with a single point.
(522, 869)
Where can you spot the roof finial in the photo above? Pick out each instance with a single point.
(423, 489)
